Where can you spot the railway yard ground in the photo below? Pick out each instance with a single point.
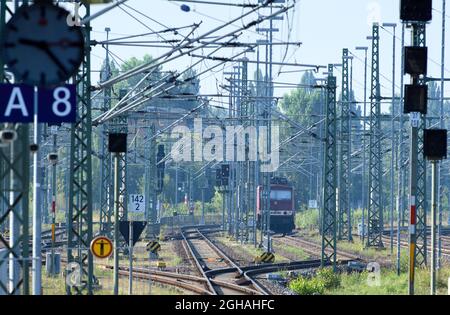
(207, 261)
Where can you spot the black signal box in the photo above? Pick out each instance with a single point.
(117, 142)
(416, 60)
(225, 170)
(218, 177)
(435, 144)
(416, 99)
(416, 10)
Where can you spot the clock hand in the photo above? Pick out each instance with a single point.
(31, 42)
(44, 46)
(55, 59)
(63, 43)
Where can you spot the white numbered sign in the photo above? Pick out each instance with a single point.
(137, 204)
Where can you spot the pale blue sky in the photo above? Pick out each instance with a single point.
(324, 27)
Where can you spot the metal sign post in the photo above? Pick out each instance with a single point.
(130, 254)
(434, 198)
(116, 223)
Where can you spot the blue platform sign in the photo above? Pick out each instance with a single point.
(16, 103)
(55, 105)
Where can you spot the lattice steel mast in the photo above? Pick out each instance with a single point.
(80, 186)
(375, 211)
(328, 224)
(345, 152)
(419, 40)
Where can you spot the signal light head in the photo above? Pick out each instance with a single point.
(117, 142)
(416, 59)
(416, 10)
(435, 144)
(416, 99)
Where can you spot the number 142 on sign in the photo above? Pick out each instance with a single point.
(137, 204)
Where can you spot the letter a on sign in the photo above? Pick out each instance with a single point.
(16, 103)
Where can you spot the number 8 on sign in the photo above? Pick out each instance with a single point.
(61, 102)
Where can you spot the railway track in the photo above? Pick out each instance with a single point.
(222, 275)
(315, 249)
(405, 244)
(188, 283)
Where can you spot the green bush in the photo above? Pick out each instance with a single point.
(304, 286)
(308, 219)
(324, 279)
(329, 279)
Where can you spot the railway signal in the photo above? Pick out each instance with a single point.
(435, 149)
(417, 13)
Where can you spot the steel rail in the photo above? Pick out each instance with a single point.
(197, 263)
(232, 263)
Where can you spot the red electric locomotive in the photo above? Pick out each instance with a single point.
(282, 211)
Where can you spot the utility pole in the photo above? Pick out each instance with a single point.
(14, 161)
(434, 198)
(419, 40)
(363, 177)
(375, 213)
(393, 142)
(37, 205)
(417, 235)
(176, 185)
(130, 257)
(106, 194)
(80, 187)
(345, 152)
(237, 165)
(203, 188)
(151, 177)
(400, 163)
(329, 229)
(442, 125)
(53, 161)
(116, 223)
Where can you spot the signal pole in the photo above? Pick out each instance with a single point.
(37, 206)
(441, 120)
(363, 177)
(106, 192)
(116, 223)
(434, 198)
(400, 163)
(393, 138)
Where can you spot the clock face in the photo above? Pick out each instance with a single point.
(40, 48)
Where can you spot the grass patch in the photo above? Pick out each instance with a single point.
(307, 219)
(56, 285)
(298, 252)
(325, 282)
(248, 250)
(324, 279)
